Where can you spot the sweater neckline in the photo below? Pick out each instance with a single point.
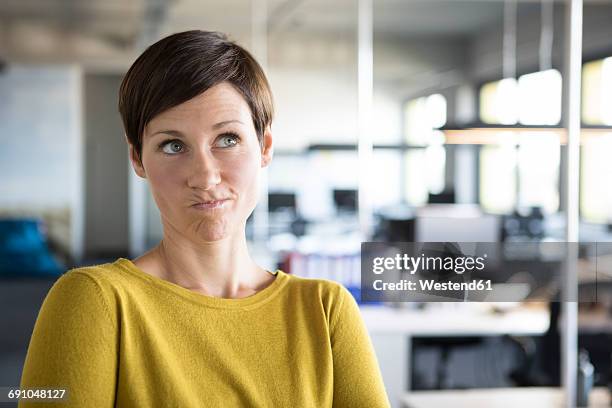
(257, 298)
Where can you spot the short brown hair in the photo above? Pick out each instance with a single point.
(182, 66)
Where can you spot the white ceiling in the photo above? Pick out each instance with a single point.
(110, 32)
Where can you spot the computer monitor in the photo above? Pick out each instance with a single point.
(456, 223)
(281, 200)
(345, 200)
(445, 197)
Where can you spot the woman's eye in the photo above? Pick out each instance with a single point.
(172, 147)
(228, 140)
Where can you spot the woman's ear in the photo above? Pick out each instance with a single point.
(136, 162)
(267, 148)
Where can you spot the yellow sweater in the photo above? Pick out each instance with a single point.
(114, 335)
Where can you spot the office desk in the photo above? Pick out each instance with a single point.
(537, 397)
(392, 329)
(456, 320)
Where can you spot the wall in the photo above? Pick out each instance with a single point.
(40, 159)
(314, 81)
(106, 166)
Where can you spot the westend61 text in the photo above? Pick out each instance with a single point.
(432, 285)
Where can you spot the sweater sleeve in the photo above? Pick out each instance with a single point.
(357, 378)
(74, 345)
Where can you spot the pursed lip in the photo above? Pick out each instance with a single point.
(210, 204)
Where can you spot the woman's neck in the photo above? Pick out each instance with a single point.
(221, 268)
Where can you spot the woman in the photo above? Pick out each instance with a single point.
(195, 322)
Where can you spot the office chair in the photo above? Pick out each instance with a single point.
(445, 346)
(542, 363)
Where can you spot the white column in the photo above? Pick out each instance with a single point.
(137, 212)
(365, 84)
(259, 47)
(77, 217)
(572, 78)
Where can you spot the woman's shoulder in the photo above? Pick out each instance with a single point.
(330, 293)
(101, 275)
(79, 294)
(101, 281)
(323, 286)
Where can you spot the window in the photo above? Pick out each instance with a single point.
(538, 167)
(386, 164)
(425, 168)
(498, 178)
(595, 188)
(539, 96)
(498, 102)
(535, 99)
(597, 92)
(521, 175)
(527, 175)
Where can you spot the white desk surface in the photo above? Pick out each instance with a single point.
(461, 319)
(536, 397)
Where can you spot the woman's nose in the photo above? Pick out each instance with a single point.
(205, 172)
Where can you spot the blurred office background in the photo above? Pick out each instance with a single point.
(466, 145)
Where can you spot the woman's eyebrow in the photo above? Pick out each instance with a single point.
(175, 133)
(225, 122)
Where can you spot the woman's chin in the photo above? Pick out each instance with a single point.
(213, 228)
(212, 231)
(212, 236)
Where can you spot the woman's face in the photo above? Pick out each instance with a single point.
(202, 159)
